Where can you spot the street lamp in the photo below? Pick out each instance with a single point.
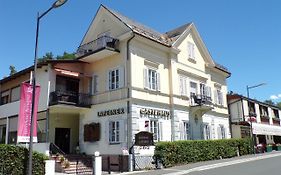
(56, 4)
(250, 114)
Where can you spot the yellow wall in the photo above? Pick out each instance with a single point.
(64, 120)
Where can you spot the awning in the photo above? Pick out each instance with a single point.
(264, 129)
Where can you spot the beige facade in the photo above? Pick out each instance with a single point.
(128, 78)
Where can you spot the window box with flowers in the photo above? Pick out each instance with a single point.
(276, 121)
(264, 119)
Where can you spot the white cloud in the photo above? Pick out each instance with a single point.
(274, 97)
(279, 95)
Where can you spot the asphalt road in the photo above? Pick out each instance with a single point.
(269, 166)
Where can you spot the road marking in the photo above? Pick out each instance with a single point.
(223, 164)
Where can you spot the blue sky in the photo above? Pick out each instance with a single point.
(241, 35)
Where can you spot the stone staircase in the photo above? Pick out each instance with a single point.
(77, 164)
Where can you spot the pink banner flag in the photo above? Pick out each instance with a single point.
(24, 120)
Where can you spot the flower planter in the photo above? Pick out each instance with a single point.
(278, 148)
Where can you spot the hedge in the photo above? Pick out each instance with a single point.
(14, 161)
(184, 152)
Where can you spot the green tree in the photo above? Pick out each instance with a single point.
(47, 56)
(12, 69)
(270, 102)
(279, 105)
(66, 56)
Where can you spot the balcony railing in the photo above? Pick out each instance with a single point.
(97, 45)
(70, 98)
(200, 99)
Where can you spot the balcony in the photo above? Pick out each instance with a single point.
(70, 98)
(100, 48)
(201, 103)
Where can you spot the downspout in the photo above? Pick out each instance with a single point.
(173, 134)
(128, 73)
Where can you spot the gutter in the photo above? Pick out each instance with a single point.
(129, 116)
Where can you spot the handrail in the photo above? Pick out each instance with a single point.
(54, 149)
(101, 42)
(71, 98)
(201, 99)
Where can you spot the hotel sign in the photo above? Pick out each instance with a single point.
(111, 112)
(160, 113)
(144, 138)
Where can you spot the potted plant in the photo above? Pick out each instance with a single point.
(268, 147)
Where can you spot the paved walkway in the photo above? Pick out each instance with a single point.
(200, 165)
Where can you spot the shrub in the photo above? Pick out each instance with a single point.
(14, 160)
(183, 152)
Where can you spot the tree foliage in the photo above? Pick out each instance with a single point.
(12, 69)
(50, 56)
(270, 102)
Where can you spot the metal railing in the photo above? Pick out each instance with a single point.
(199, 99)
(54, 149)
(71, 98)
(99, 43)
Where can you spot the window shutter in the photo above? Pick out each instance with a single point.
(107, 132)
(96, 80)
(221, 96)
(219, 132)
(189, 49)
(158, 81)
(181, 126)
(121, 77)
(202, 131)
(145, 75)
(180, 85)
(122, 129)
(160, 131)
(108, 81)
(91, 85)
(215, 96)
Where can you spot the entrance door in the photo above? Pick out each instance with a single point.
(62, 139)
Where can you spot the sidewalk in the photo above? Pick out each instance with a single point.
(205, 165)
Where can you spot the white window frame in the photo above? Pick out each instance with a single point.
(191, 50)
(222, 132)
(151, 79)
(114, 79)
(114, 131)
(155, 129)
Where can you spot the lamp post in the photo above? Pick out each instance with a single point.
(56, 4)
(250, 114)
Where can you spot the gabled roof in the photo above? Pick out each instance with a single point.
(177, 32)
(140, 28)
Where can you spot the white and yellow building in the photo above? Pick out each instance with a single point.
(127, 78)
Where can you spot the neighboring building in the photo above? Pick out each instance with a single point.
(265, 119)
(127, 78)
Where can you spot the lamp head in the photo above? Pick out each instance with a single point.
(59, 3)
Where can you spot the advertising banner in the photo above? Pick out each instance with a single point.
(24, 120)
